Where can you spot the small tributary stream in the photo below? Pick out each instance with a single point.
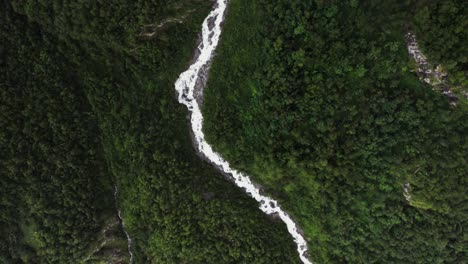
(119, 214)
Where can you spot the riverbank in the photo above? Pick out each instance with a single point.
(190, 86)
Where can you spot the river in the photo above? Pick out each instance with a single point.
(188, 88)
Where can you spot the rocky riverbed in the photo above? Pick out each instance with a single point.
(189, 87)
(430, 74)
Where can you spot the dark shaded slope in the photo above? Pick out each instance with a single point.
(89, 77)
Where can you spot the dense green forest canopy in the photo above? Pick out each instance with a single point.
(87, 101)
(319, 102)
(441, 26)
(56, 192)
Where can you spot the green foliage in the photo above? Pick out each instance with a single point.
(315, 100)
(52, 172)
(88, 101)
(441, 27)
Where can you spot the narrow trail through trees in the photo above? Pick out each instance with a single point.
(189, 86)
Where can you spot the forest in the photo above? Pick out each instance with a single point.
(87, 101)
(317, 100)
(441, 26)
(320, 103)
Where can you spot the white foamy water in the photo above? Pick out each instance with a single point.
(185, 87)
(129, 239)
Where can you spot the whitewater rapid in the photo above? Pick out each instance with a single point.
(185, 86)
(119, 214)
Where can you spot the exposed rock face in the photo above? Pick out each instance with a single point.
(107, 248)
(436, 77)
(406, 191)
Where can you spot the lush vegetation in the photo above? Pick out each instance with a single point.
(86, 101)
(317, 101)
(55, 187)
(441, 27)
